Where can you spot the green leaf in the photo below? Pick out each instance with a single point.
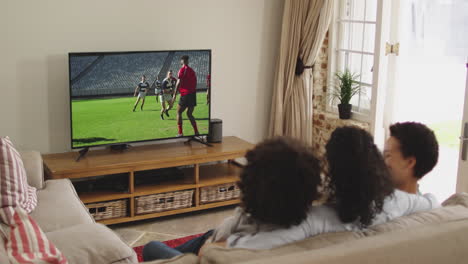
(346, 86)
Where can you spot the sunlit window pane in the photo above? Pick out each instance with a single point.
(371, 10)
(357, 9)
(369, 39)
(367, 69)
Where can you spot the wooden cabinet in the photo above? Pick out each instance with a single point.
(202, 166)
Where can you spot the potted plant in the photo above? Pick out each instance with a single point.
(346, 86)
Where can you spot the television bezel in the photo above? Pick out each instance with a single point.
(127, 52)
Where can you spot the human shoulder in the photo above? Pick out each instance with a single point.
(401, 203)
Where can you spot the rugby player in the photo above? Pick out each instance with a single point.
(186, 85)
(168, 87)
(142, 88)
(157, 88)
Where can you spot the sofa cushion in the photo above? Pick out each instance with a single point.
(25, 242)
(14, 188)
(59, 206)
(92, 243)
(214, 254)
(435, 216)
(457, 199)
(3, 253)
(445, 243)
(455, 208)
(182, 259)
(34, 168)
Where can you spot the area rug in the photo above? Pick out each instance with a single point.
(172, 243)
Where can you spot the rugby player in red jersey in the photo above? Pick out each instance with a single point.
(186, 85)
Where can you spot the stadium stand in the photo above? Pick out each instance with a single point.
(198, 60)
(119, 74)
(79, 64)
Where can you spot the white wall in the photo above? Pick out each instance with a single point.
(35, 37)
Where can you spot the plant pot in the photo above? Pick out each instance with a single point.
(344, 111)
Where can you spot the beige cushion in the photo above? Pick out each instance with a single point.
(58, 206)
(457, 199)
(434, 216)
(214, 254)
(91, 243)
(3, 253)
(34, 169)
(182, 259)
(446, 243)
(456, 211)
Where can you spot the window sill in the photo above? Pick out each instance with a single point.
(355, 116)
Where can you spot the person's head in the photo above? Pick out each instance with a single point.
(184, 60)
(169, 74)
(143, 78)
(358, 180)
(410, 152)
(279, 182)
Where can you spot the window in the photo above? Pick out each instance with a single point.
(352, 46)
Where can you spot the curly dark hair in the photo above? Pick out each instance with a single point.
(418, 141)
(358, 179)
(280, 181)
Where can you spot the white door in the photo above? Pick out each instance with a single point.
(425, 82)
(462, 179)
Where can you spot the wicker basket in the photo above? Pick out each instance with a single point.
(107, 210)
(163, 202)
(222, 192)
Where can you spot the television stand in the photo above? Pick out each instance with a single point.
(204, 170)
(82, 153)
(199, 140)
(119, 147)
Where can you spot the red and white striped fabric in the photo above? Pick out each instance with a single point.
(14, 187)
(24, 240)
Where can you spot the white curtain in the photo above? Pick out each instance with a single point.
(305, 24)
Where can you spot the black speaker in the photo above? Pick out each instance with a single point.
(216, 131)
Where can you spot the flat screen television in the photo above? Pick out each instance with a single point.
(127, 97)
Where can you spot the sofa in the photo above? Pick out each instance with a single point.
(436, 236)
(67, 223)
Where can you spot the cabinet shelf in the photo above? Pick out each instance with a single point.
(94, 197)
(219, 174)
(142, 160)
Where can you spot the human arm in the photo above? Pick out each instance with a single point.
(403, 203)
(418, 203)
(136, 90)
(176, 90)
(319, 219)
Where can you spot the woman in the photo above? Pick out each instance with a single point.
(278, 185)
(361, 194)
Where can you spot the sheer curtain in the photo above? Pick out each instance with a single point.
(305, 24)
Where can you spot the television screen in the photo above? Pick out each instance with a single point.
(123, 97)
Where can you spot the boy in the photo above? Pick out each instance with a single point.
(410, 153)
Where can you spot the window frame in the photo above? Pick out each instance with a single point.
(335, 31)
